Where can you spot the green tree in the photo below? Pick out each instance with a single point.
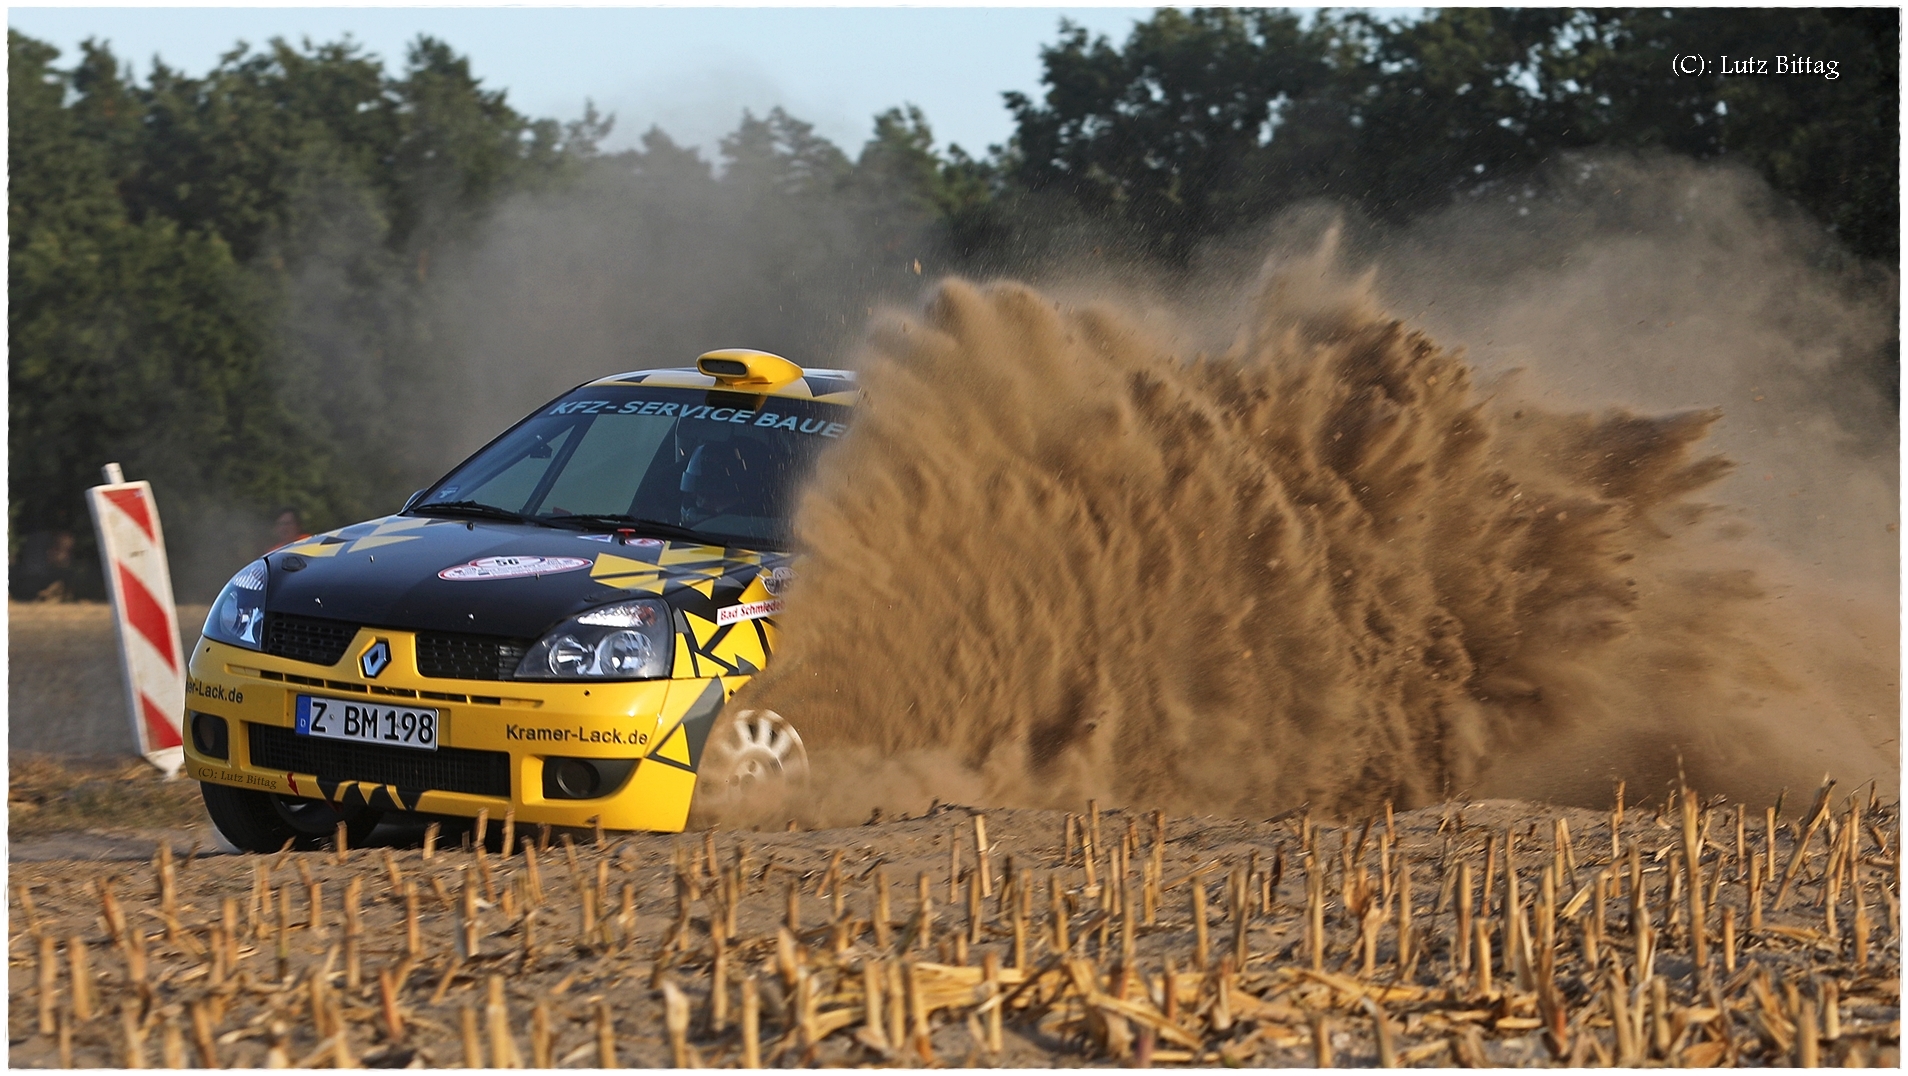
(1158, 135)
(898, 164)
(1444, 107)
(910, 196)
(136, 341)
(1207, 120)
(229, 152)
(780, 154)
(1831, 144)
(219, 281)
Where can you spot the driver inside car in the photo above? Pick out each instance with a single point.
(725, 478)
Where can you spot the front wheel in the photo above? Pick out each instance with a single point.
(263, 822)
(753, 766)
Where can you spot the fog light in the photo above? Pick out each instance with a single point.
(209, 735)
(576, 778)
(584, 778)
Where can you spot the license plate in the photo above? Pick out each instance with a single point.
(365, 722)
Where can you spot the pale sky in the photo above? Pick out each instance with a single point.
(690, 69)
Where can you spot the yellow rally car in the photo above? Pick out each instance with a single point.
(553, 628)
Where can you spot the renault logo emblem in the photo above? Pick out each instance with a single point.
(375, 659)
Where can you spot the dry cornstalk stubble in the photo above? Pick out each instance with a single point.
(1694, 933)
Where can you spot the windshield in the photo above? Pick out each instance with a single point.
(716, 466)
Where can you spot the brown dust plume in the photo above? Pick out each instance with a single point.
(1060, 555)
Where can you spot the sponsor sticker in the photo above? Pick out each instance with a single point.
(705, 412)
(579, 734)
(778, 580)
(735, 614)
(216, 692)
(512, 567)
(597, 537)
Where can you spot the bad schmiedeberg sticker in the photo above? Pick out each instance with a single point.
(735, 614)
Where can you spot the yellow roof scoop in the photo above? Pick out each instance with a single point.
(741, 366)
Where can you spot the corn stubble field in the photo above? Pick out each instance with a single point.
(1489, 933)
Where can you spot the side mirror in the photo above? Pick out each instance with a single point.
(411, 501)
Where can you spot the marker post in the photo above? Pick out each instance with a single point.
(132, 552)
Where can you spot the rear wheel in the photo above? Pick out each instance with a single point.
(752, 766)
(263, 822)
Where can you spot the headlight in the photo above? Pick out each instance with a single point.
(625, 641)
(238, 616)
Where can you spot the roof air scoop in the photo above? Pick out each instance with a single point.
(740, 366)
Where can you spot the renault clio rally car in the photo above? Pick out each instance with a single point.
(551, 629)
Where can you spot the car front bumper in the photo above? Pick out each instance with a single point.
(495, 737)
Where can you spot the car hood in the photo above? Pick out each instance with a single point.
(505, 579)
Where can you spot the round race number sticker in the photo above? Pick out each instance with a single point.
(512, 567)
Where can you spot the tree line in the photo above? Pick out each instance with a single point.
(231, 283)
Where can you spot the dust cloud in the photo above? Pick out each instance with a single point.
(1526, 497)
(1239, 552)
(1660, 284)
(645, 262)
(399, 364)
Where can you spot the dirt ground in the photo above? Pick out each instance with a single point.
(66, 694)
(578, 954)
(62, 808)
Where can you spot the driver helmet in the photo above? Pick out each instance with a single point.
(723, 475)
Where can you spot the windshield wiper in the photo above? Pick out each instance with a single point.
(652, 526)
(475, 508)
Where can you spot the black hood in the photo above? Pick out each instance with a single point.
(496, 578)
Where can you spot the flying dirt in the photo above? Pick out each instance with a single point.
(1074, 550)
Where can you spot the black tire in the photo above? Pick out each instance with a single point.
(263, 822)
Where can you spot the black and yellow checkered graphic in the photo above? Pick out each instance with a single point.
(348, 794)
(697, 581)
(681, 747)
(361, 537)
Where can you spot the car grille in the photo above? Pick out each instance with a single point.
(444, 655)
(447, 769)
(307, 638)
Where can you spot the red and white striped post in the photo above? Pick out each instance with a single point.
(132, 550)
